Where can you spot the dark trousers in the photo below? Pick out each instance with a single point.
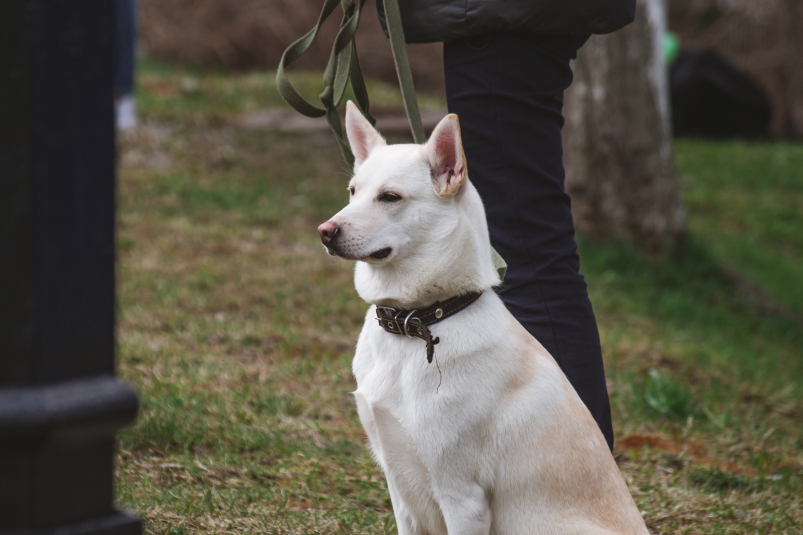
(507, 90)
(125, 32)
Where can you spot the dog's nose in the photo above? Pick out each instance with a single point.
(328, 231)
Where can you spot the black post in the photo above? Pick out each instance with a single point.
(60, 405)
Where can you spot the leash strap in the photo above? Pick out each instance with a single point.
(398, 46)
(343, 66)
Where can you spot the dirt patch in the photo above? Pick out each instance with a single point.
(693, 449)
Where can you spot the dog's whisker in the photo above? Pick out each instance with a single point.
(346, 172)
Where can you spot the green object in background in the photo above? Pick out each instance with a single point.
(671, 46)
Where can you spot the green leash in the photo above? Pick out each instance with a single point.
(343, 66)
(399, 48)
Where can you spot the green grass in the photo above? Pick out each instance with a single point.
(748, 202)
(237, 331)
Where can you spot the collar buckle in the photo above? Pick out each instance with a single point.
(406, 332)
(387, 311)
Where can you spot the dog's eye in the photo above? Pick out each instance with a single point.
(389, 197)
(351, 190)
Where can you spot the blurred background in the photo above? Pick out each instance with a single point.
(761, 38)
(237, 331)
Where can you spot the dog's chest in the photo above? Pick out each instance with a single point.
(393, 380)
(393, 368)
(403, 394)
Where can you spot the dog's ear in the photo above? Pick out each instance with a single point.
(362, 136)
(445, 152)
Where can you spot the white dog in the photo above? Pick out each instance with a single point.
(492, 438)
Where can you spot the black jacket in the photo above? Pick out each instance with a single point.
(427, 21)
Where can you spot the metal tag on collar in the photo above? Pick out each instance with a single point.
(431, 342)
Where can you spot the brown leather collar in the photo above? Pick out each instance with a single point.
(414, 323)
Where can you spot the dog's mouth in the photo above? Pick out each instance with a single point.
(382, 253)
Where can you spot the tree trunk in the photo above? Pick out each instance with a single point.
(618, 146)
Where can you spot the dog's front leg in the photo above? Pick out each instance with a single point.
(465, 508)
(405, 523)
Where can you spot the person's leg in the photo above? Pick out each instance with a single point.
(507, 90)
(125, 29)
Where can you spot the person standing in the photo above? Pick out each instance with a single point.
(125, 41)
(506, 66)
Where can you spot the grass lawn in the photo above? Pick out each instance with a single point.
(237, 331)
